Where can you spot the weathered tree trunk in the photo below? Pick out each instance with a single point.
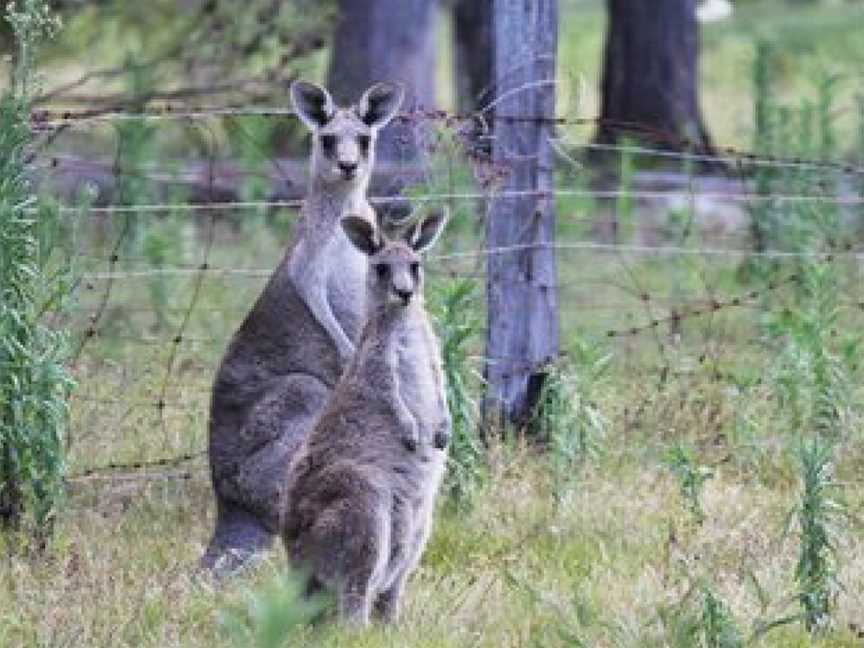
(473, 32)
(386, 40)
(650, 76)
(473, 35)
(521, 290)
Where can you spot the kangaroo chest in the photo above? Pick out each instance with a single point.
(419, 377)
(346, 289)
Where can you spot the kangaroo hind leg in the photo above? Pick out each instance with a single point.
(352, 548)
(279, 423)
(250, 474)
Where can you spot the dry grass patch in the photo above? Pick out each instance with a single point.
(613, 559)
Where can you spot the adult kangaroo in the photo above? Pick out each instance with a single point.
(289, 352)
(361, 490)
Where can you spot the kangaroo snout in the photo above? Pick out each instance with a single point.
(348, 169)
(404, 295)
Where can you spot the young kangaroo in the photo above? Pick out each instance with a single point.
(291, 349)
(362, 488)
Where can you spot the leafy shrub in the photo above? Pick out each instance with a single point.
(458, 324)
(34, 382)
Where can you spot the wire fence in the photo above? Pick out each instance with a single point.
(684, 150)
(163, 279)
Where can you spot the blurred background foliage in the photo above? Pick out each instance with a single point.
(205, 52)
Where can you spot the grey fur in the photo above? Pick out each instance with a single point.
(361, 490)
(287, 355)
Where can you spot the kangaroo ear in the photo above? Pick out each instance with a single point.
(380, 103)
(424, 233)
(313, 104)
(362, 234)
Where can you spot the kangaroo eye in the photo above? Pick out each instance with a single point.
(382, 270)
(328, 143)
(364, 141)
(415, 269)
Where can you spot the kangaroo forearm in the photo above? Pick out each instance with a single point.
(440, 381)
(316, 300)
(408, 426)
(309, 269)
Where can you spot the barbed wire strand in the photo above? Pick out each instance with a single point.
(137, 465)
(48, 119)
(848, 200)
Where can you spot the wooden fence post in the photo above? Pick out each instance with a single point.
(521, 288)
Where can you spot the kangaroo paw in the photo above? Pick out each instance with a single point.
(238, 541)
(442, 436)
(410, 433)
(411, 438)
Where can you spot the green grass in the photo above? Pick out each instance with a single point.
(610, 563)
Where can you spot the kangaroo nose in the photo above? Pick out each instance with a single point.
(404, 295)
(348, 168)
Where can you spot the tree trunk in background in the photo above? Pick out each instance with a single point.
(472, 29)
(521, 288)
(386, 40)
(650, 76)
(473, 33)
